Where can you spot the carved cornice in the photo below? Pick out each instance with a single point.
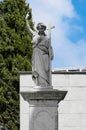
(52, 94)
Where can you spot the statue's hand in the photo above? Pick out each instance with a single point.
(27, 16)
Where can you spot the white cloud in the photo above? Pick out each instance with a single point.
(63, 7)
(67, 53)
(70, 54)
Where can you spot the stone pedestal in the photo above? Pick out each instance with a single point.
(43, 107)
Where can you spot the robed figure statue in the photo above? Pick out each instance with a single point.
(42, 54)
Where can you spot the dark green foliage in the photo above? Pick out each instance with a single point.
(15, 56)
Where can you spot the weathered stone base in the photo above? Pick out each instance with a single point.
(43, 108)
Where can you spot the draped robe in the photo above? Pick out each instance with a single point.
(40, 60)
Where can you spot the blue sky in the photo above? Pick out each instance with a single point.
(69, 35)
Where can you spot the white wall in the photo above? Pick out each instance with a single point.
(72, 110)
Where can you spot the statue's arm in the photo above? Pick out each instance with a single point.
(28, 26)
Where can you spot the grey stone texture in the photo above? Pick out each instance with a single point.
(71, 111)
(43, 108)
(42, 55)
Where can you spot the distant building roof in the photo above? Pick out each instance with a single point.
(74, 69)
(79, 70)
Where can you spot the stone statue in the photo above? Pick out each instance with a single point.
(42, 54)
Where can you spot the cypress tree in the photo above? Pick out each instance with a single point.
(15, 55)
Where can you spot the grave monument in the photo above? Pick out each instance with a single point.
(42, 98)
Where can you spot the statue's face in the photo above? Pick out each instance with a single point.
(41, 29)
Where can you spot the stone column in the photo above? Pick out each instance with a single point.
(43, 108)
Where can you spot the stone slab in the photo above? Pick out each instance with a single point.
(43, 115)
(72, 107)
(72, 128)
(77, 120)
(68, 80)
(44, 94)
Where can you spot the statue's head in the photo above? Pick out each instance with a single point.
(41, 26)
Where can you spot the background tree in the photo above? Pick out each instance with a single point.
(15, 55)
